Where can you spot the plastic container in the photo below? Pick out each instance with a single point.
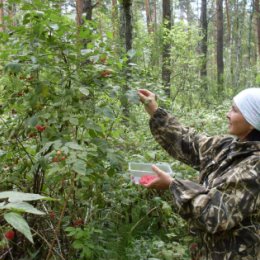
(137, 170)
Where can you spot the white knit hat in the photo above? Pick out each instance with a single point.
(248, 102)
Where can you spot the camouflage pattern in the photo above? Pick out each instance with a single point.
(224, 207)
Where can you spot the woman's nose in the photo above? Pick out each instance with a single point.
(228, 114)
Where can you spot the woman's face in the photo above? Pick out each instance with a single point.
(238, 126)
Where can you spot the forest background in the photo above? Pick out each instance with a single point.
(71, 120)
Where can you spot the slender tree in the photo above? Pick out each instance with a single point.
(250, 22)
(84, 6)
(88, 8)
(127, 25)
(257, 12)
(126, 34)
(114, 18)
(228, 21)
(1, 15)
(166, 72)
(220, 33)
(155, 14)
(79, 11)
(148, 15)
(204, 43)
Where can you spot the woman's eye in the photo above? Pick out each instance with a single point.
(234, 109)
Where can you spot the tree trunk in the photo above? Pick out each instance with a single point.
(79, 11)
(114, 18)
(228, 21)
(89, 9)
(84, 6)
(127, 37)
(257, 12)
(204, 40)
(148, 16)
(250, 22)
(1, 15)
(166, 72)
(128, 29)
(220, 63)
(155, 15)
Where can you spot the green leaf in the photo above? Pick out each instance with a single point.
(131, 53)
(79, 167)
(13, 67)
(2, 153)
(109, 35)
(74, 146)
(15, 196)
(54, 27)
(84, 91)
(19, 223)
(78, 244)
(22, 206)
(74, 121)
(132, 97)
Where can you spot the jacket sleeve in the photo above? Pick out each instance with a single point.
(182, 143)
(223, 206)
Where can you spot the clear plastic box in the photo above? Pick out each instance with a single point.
(137, 170)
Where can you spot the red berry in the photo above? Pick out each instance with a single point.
(40, 128)
(193, 246)
(103, 60)
(20, 94)
(105, 73)
(55, 159)
(78, 222)
(146, 179)
(9, 235)
(32, 135)
(30, 78)
(52, 214)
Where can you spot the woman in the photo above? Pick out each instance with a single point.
(224, 207)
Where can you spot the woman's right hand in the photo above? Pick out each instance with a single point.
(149, 100)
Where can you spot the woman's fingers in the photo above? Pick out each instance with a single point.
(162, 182)
(158, 171)
(145, 92)
(149, 100)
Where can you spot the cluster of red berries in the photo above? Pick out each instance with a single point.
(30, 78)
(59, 157)
(78, 222)
(146, 179)
(52, 215)
(103, 60)
(40, 128)
(105, 73)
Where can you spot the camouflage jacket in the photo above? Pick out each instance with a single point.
(224, 207)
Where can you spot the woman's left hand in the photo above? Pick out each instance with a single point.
(162, 182)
